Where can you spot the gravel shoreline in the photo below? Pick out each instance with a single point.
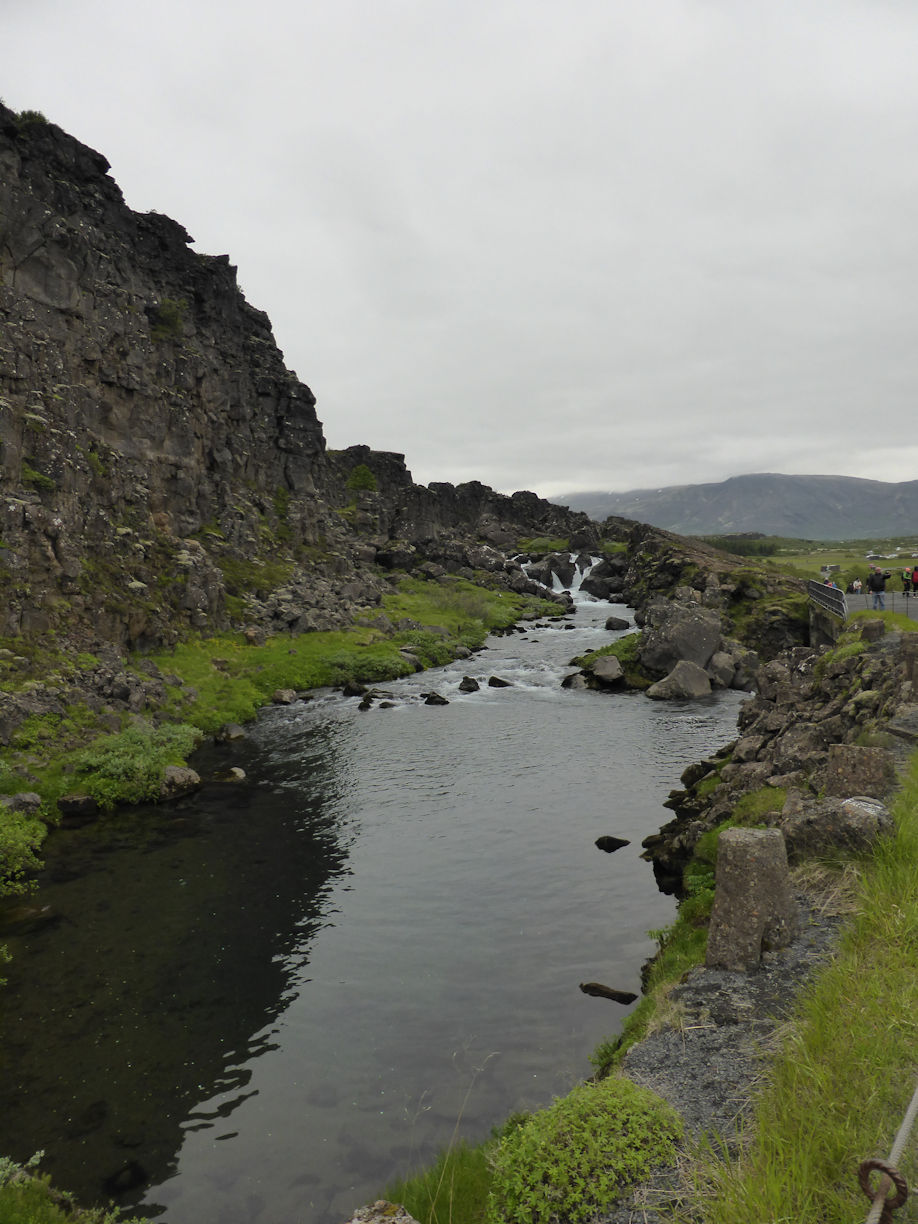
(709, 1066)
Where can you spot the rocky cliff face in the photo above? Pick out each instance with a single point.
(162, 470)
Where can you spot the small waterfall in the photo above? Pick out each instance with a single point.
(581, 565)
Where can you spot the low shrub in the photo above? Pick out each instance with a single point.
(571, 1161)
(27, 1197)
(128, 767)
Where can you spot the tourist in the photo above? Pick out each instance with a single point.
(876, 584)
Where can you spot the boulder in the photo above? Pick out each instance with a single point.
(497, 682)
(77, 810)
(22, 801)
(674, 632)
(576, 680)
(721, 669)
(686, 680)
(617, 622)
(468, 684)
(856, 770)
(813, 826)
(283, 696)
(178, 780)
(229, 732)
(607, 670)
(435, 699)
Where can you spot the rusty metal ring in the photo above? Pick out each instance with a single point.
(898, 1181)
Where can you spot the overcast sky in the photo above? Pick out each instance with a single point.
(587, 245)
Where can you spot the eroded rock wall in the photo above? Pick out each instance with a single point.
(162, 470)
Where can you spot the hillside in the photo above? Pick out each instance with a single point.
(805, 507)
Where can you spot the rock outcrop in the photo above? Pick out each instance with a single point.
(163, 471)
(823, 735)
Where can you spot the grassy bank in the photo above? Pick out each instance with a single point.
(120, 758)
(838, 1090)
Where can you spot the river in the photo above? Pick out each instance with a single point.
(260, 1004)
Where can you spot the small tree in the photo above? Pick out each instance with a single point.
(362, 479)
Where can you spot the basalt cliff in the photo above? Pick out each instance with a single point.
(162, 469)
(164, 473)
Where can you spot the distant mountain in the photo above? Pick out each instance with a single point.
(807, 507)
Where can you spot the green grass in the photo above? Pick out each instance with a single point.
(837, 1092)
(544, 544)
(455, 1188)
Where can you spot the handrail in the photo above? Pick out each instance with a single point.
(831, 599)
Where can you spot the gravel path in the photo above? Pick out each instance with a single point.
(709, 1066)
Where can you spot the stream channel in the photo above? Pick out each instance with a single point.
(260, 1004)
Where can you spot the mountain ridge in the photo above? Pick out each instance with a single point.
(820, 507)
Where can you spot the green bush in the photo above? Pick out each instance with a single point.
(27, 1197)
(128, 767)
(21, 834)
(569, 1162)
(362, 479)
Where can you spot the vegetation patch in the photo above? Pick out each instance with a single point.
(544, 544)
(128, 767)
(571, 1161)
(454, 1190)
(626, 649)
(837, 1092)
(361, 480)
(167, 319)
(27, 1197)
(468, 612)
(251, 577)
(32, 476)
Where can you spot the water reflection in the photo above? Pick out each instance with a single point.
(182, 931)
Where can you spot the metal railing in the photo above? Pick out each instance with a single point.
(843, 603)
(894, 600)
(830, 598)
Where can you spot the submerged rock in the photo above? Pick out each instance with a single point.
(611, 844)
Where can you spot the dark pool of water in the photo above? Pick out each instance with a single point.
(259, 1005)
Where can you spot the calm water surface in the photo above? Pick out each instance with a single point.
(261, 1004)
